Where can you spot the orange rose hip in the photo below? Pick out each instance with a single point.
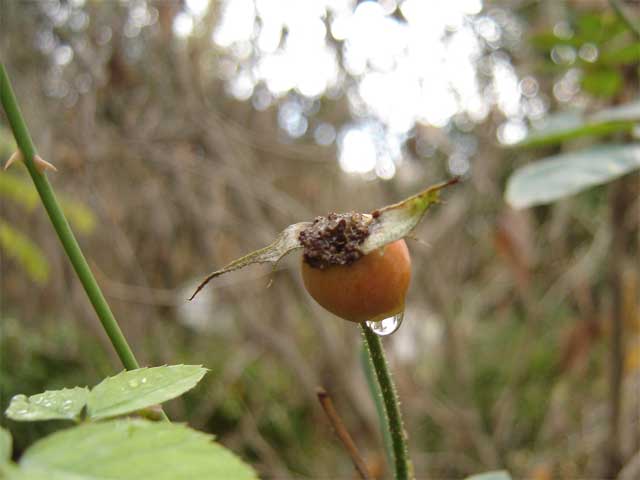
(373, 287)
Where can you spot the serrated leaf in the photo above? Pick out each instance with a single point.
(493, 475)
(6, 446)
(134, 390)
(396, 221)
(560, 127)
(133, 449)
(559, 176)
(284, 243)
(65, 404)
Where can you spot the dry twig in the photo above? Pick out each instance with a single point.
(342, 433)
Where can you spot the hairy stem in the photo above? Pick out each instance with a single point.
(403, 469)
(376, 394)
(60, 224)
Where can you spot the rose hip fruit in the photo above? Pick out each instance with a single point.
(371, 288)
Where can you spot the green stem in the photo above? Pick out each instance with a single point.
(393, 417)
(376, 394)
(60, 224)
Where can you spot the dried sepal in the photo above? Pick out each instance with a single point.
(396, 221)
(286, 242)
(385, 225)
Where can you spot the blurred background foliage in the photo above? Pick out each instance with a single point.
(189, 132)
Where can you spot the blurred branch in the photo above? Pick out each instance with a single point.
(342, 433)
(624, 16)
(621, 197)
(632, 469)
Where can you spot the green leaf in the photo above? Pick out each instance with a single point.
(134, 390)
(493, 475)
(25, 252)
(627, 55)
(602, 83)
(559, 127)
(629, 112)
(133, 449)
(554, 128)
(65, 404)
(590, 26)
(562, 175)
(547, 40)
(6, 445)
(13, 472)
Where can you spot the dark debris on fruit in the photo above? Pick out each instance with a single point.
(335, 239)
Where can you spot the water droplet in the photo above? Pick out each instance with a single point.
(386, 326)
(133, 383)
(47, 404)
(22, 411)
(144, 380)
(38, 400)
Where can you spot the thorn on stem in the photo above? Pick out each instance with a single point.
(43, 165)
(15, 157)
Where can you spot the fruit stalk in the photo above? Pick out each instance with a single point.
(403, 468)
(61, 225)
